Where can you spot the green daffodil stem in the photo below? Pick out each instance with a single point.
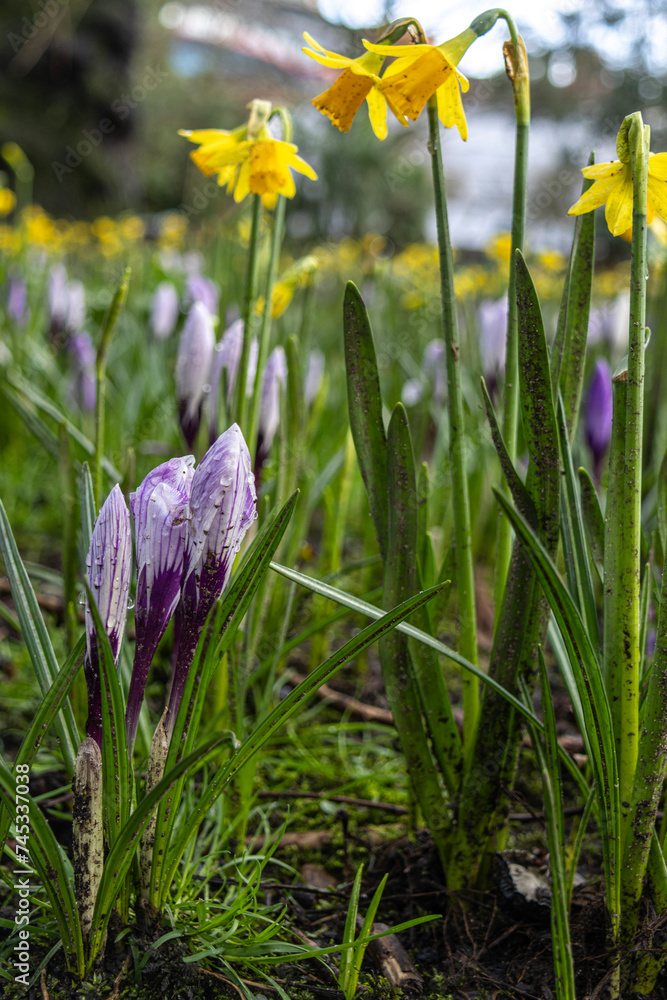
(516, 65)
(462, 528)
(623, 667)
(265, 329)
(110, 320)
(240, 400)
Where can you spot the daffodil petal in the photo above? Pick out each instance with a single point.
(657, 196)
(377, 112)
(463, 81)
(242, 186)
(333, 61)
(204, 136)
(398, 65)
(450, 107)
(599, 171)
(618, 212)
(303, 168)
(396, 50)
(657, 166)
(325, 52)
(595, 197)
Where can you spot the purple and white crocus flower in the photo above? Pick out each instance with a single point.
(222, 508)
(108, 571)
(164, 310)
(274, 380)
(160, 511)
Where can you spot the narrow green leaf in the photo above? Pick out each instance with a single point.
(365, 408)
(537, 408)
(520, 494)
(593, 519)
(568, 355)
(572, 519)
(87, 502)
(598, 731)
(36, 638)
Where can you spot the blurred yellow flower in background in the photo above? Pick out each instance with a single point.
(7, 201)
(359, 82)
(612, 187)
(423, 70)
(260, 165)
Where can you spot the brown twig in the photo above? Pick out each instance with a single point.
(116, 983)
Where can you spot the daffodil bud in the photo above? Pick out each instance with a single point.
(160, 511)
(108, 570)
(164, 310)
(193, 368)
(222, 508)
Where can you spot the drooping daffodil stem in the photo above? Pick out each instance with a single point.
(516, 66)
(240, 402)
(462, 527)
(272, 270)
(110, 320)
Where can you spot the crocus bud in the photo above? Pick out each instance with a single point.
(17, 308)
(275, 376)
(492, 319)
(433, 366)
(201, 289)
(76, 306)
(58, 299)
(164, 310)
(108, 570)
(222, 507)
(598, 413)
(193, 368)
(226, 359)
(314, 376)
(82, 353)
(160, 511)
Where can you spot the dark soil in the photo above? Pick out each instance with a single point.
(488, 945)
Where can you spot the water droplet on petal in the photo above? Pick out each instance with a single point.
(82, 598)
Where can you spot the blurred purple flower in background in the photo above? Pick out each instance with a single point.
(201, 289)
(598, 413)
(83, 387)
(193, 368)
(160, 512)
(164, 310)
(433, 366)
(222, 508)
(226, 362)
(17, 300)
(57, 297)
(108, 570)
(314, 376)
(492, 324)
(76, 306)
(274, 378)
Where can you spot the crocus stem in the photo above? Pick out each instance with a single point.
(516, 64)
(462, 528)
(240, 401)
(110, 320)
(265, 330)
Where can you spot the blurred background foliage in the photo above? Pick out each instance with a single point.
(129, 73)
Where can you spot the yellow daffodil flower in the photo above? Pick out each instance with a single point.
(423, 70)
(359, 82)
(613, 187)
(261, 165)
(7, 201)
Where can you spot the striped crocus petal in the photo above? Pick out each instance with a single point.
(275, 377)
(160, 511)
(108, 570)
(222, 507)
